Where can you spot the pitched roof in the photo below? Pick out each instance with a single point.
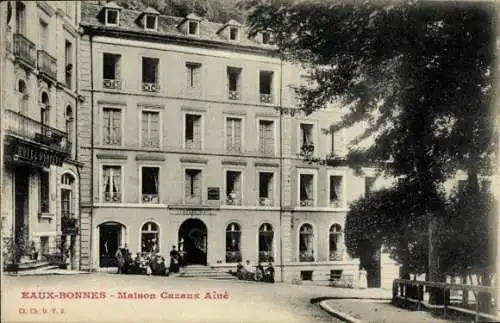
(151, 11)
(112, 5)
(167, 26)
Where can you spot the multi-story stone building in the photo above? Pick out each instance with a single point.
(40, 186)
(184, 144)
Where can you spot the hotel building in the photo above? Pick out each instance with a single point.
(40, 175)
(184, 142)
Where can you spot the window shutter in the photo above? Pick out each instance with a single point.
(117, 180)
(106, 180)
(338, 143)
(270, 187)
(229, 133)
(118, 67)
(262, 135)
(154, 134)
(187, 184)
(106, 126)
(196, 185)
(145, 128)
(197, 131)
(237, 133)
(116, 120)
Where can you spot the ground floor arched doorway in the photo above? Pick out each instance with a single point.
(193, 242)
(111, 237)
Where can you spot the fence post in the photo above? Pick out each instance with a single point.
(444, 302)
(476, 295)
(418, 297)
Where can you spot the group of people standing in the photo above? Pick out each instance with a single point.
(147, 263)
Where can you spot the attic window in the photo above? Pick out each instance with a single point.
(266, 38)
(193, 28)
(151, 22)
(233, 33)
(112, 17)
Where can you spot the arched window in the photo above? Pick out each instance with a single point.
(266, 235)
(233, 243)
(150, 237)
(306, 243)
(23, 97)
(334, 237)
(44, 108)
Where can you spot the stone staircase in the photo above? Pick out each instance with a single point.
(200, 271)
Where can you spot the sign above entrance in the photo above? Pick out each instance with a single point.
(33, 155)
(193, 211)
(213, 193)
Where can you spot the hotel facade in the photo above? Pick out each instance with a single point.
(39, 102)
(184, 142)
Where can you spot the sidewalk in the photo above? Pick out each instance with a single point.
(47, 271)
(373, 311)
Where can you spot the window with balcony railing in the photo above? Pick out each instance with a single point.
(150, 185)
(266, 86)
(234, 83)
(150, 70)
(233, 134)
(233, 187)
(44, 192)
(306, 186)
(336, 191)
(150, 129)
(193, 133)
(336, 253)
(266, 137)
(25, 50)
(112, 183)
(306, 144)
(111, 71)
(266, 188)
(337, 143)
(306, 243)
(192, 186)
(112, 126)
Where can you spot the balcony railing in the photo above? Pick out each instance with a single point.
(150, 198)
(150, 87)
(307, 150)
(25, 50)
(28, 128)
(233, 200)
(234, 95)
(266, 256)
(307, 202)
(266, 98)
(47, 65)
(151, 143)
(233, 256)
(337, 204)
(306, 256)
(266, 149)
(265, 201)
(336, 255)
(112, 197)
(69, 223)
(112, 84)
(193, 144)
(233, 148)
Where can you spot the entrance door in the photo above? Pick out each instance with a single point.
(193, 242)
(21, 184)
(109, 241)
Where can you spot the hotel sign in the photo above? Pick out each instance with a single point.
(36, 156)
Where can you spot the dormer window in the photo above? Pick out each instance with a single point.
(266, 38)
(233, 33)
(193, 28)
(112, 17)
(151, 22)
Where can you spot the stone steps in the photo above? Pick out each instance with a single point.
(206, 272)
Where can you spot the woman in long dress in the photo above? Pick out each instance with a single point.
(174, 261)
(363, 283)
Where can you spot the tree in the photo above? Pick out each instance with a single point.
(419, 74)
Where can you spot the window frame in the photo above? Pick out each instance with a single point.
(101, 184)
(122, 126)
(236, 31)
(331, 141)
(190, 68)
(314, 135)
(202, 186)
(157, 69)
(118, 60)
(275, 133)
(160, 127)
(314, 241)
(343, 174)
(273, 244)
(197, 28)
(274, 198)
(141, 167)
(106, 17)
(239, 84)
(242, 134)
(241, 170)
(305, 171)
(202, 127)
(155, 27)
(158, 234)
(42, 175)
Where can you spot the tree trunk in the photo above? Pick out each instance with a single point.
(484, 299)
(465, 293)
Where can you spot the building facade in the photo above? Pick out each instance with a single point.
(40, 181)
(184, 142)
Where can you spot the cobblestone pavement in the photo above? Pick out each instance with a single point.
(245, 301)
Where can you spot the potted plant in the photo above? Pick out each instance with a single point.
(14, 248)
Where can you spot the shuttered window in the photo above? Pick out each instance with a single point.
(112, 126)
(193, 131)
(192, 186)
(266, 136)
(111, 179)
(150, 129)
(233, 134)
